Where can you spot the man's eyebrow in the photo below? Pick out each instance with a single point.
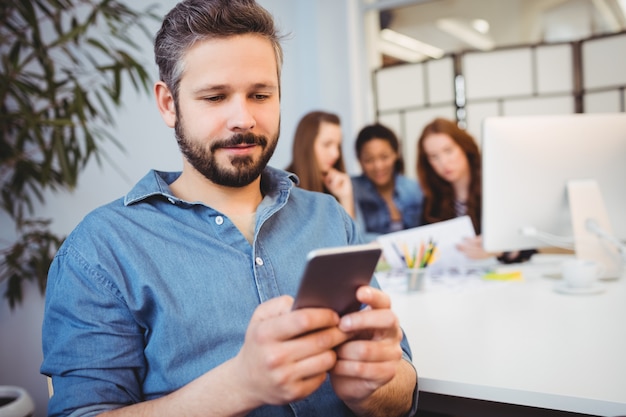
(265, 86)
(210, 89)
(225, 87)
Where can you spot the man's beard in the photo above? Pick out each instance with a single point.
(242, 170)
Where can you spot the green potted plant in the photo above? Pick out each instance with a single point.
(63, 66)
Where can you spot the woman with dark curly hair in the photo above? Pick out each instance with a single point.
(386, 200)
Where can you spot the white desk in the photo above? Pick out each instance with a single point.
(520, 343)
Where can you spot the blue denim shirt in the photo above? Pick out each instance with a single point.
(372, 212)
(149, 292)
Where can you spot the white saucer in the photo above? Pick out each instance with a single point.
(563, 288)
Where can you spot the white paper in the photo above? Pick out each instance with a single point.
(446, 235)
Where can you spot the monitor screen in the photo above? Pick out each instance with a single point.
(527, 164)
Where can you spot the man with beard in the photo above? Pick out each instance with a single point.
(176, 300)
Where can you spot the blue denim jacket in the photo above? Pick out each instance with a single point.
(372, 213)
(149, 292)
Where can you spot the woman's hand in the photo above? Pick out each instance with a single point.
(340, 185)
(472, 247)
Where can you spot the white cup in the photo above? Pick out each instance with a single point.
(581, 273)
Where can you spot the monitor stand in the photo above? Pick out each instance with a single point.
(586, 202)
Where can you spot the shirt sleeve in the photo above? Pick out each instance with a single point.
(91, 343)
(406, 355)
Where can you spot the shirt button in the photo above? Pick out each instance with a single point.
(219, 220)
(259, 261)
(171, 200)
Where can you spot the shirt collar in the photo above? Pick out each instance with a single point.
(157, 183)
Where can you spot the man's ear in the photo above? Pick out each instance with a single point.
(165, 103)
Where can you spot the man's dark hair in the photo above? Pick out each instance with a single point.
(191, 21)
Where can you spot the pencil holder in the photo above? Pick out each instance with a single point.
(415, 279)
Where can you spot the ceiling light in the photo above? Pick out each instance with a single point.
(481, 25)
(610, 18)
(411, 44)
(466, 34)
(396, 51)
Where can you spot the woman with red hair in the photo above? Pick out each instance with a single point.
(449, 171)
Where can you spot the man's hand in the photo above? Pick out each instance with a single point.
(371, 358)
(286, 354)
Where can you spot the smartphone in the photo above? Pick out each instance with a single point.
(332, 276)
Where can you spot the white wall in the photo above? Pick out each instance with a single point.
(318, 74)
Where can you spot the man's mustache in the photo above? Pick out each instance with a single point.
(240, 139)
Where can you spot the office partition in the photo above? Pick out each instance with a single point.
(558, 78)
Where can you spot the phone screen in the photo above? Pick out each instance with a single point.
(332, 276)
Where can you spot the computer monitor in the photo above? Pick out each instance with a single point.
(528, 164)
